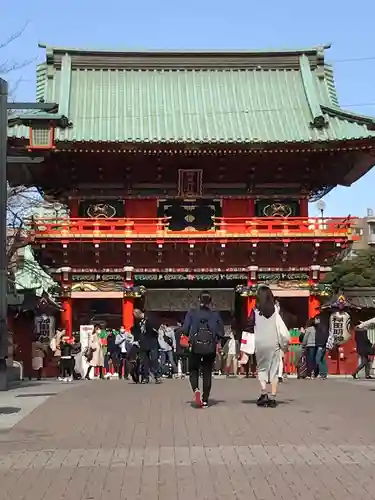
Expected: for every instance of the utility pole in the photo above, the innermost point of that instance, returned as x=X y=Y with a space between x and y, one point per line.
x=3 y=234
x=4 y=106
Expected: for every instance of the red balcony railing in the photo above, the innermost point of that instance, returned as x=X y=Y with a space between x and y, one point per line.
x=223 y=228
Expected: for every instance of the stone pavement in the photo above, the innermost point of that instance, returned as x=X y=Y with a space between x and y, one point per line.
x=23 y=398
x=114 y=440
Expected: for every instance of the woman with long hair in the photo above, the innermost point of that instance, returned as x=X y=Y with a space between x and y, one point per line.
x=270 y=339
x=96 y=353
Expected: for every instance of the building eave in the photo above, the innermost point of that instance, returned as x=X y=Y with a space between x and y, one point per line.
x=344 y=114
x=181 y=52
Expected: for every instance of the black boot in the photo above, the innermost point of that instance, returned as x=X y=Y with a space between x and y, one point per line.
x=263 y=400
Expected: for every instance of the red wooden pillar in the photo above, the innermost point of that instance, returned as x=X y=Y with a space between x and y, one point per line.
x=67 y=312
x=73 y=208
x=314 y=302
x=251 y=212
x=127 y=312
x=67 y=316
x=251 y=281
x=304 y=207
x=128 y=299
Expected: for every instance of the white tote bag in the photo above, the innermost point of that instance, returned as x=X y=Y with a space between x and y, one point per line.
x=247 y=343
x=283 y=334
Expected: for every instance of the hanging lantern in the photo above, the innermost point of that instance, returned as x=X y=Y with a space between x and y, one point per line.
x=42 y=136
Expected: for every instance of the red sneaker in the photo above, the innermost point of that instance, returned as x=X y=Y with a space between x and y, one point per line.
x=197 y=398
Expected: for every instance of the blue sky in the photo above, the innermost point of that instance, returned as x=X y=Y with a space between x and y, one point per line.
x=241 y=24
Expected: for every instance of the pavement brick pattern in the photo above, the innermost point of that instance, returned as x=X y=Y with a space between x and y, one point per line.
x=114 y=440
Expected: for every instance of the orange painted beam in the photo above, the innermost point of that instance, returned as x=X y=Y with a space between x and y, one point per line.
x=241 y=228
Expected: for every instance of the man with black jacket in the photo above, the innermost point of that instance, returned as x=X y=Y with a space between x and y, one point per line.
x=205 y=330
x=364 y=351
x=145 y=332
x=321 y=324
x=182 y=352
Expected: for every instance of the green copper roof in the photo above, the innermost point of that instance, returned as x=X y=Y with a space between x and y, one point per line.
x=31 y=276
x=195 y=97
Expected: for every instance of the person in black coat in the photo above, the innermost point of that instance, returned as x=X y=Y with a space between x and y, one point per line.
x=113 y=353
x=182 y=353
x=364 y=350
x=146 y=332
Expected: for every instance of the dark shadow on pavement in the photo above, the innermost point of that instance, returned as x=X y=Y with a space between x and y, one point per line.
x=211 y=402
x=9 y=410
x=36 y=394
x=16 y=384
x=279 y=401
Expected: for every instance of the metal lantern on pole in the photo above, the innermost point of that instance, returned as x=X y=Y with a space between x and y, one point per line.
x=321 y=205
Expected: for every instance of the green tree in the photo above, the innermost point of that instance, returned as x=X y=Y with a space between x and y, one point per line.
x=356 y=272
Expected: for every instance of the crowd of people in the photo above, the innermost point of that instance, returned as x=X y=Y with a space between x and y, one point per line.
x=199 y=347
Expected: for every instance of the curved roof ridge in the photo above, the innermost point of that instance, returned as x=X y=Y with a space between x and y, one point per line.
x=270 y=51
x=349 y=115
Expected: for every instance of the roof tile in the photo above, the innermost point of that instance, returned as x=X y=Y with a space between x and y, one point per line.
x=252 y=105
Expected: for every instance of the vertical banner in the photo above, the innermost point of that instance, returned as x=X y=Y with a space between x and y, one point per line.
x=85 y=332
x=339 y=326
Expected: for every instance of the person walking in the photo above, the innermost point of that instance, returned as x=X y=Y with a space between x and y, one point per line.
x=182 y=350
x=111 y=358
x=205 y=329
x=123 y=343
x=271 y=337
x=231 y=352
x=309 y=346
x=167 y=347
x=364 y=351
x=55 y=348
x=322 y=334
x=95 y=353
x=77 y=357
x=38 y=353
x=67 y=362
x=145 y=332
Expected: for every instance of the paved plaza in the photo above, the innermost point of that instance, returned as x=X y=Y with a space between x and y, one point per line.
x=114 y=440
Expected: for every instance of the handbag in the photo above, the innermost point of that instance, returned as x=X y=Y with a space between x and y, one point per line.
x=53 y=344
x=88 y=353
x=248 y=343
x=283 y=335
x=184 y=341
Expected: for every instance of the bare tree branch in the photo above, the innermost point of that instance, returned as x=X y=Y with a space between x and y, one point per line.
x=11 y=65
x=23 y=203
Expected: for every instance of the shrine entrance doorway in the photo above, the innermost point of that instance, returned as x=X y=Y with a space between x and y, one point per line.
x=106 y=312
x=171 y=304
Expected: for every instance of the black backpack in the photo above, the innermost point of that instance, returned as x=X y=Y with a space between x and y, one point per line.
x=203 y=342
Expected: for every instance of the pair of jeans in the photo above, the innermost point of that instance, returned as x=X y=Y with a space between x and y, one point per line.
x=321 y=363
x=168 y=357
x=314 y=358
x=123 y=365
x=149 y=362
x=203 y=364
x=310 y=360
